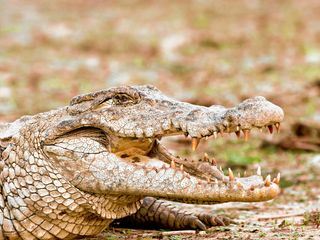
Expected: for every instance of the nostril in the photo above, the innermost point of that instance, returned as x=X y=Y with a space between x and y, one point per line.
x=230 y=119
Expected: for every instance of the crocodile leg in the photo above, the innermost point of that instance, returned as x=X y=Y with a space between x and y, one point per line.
x=156 y=213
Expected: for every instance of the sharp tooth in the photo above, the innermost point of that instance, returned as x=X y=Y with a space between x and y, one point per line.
x=215 y=134
x=231 y=176
x=181 y=167
x=267 y=182
x=195 y=143
x=206 y=157
x=238 y=128
x=239 y=175
x=261 y=129
x=207 y=138
x=186 y=134
x=246 y=133
x=259 y=171
x=245 y=173
x=277 y=125
x=173 y=164
x=220 y=168
x=270 y=127
x=238 y=133
x=277 y=179
x=214 y=161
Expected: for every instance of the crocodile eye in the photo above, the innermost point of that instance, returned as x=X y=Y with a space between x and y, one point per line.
x=123 y=99
x=120 y=99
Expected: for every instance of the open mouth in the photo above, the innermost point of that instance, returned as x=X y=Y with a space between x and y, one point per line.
x=152 y=155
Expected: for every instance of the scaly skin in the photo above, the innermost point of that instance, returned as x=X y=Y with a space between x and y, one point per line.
x=70 y=172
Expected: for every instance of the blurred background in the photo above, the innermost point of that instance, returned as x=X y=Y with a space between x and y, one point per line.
x=201 y=51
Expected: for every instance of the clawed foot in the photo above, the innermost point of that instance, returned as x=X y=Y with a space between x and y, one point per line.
x=205 y=221
x=164 y=214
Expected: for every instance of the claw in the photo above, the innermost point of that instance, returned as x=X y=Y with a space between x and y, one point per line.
x=219 y=222
x=197 y=224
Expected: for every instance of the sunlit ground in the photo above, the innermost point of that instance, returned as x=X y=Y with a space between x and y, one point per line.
x=204 y=52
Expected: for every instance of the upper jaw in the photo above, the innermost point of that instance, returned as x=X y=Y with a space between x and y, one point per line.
x=198 y=121
x=255 y=112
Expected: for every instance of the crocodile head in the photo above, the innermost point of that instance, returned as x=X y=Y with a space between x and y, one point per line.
x=110 y=142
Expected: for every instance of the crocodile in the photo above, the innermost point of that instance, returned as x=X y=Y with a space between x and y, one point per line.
x=71 y=172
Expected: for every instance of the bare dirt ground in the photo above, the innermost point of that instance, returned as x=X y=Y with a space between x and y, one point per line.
x=205 y=52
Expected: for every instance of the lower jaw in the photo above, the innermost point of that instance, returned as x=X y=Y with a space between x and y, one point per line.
x=204 y=170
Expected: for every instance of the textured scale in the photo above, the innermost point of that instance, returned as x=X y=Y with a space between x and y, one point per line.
x=37 y=202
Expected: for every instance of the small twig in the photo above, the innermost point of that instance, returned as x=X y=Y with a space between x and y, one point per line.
x=280 y=216
x=169 y=233
x=181 y=232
